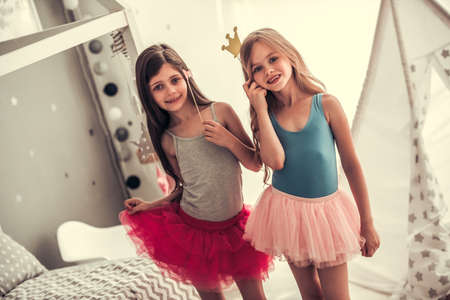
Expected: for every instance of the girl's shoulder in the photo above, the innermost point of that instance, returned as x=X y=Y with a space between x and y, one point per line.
x=330 y=105
x=222 y=106
x=223 y=111
x=329 y=99
x=329 y=102
x=167 y=143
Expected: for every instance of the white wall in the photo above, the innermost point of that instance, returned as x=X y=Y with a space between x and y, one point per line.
x=54 y=161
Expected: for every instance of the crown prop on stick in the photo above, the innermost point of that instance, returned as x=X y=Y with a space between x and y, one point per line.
x=234 y=44
x=193 y=97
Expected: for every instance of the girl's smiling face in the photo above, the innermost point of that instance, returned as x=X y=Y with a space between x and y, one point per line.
x=168 y=88
x=269 y=68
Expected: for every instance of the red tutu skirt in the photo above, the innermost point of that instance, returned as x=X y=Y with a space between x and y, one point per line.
x=209 y=255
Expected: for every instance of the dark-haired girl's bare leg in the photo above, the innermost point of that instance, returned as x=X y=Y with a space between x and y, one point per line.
x=251 y=289
x=210 y=295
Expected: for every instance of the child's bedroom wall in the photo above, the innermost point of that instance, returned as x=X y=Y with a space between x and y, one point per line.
x=54 y=164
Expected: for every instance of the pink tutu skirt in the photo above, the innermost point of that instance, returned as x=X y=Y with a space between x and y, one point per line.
x=321 y=231
x=209 y=255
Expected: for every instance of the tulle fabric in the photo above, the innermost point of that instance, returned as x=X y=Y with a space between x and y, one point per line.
x=209 y=255
x=321 y=231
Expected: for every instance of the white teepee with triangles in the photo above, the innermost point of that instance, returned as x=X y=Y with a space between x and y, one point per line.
x=401 y=131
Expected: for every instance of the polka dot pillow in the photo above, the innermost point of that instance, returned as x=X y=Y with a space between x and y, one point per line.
x=16 y=264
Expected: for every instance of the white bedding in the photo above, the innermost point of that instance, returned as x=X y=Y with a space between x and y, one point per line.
x=131 y=278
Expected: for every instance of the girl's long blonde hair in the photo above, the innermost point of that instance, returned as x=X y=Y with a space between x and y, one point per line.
x=302 y=76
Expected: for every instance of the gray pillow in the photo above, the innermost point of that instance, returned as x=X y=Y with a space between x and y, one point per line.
x=16 y=264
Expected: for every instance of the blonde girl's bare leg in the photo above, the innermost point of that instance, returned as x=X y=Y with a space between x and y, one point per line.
x=308 y=282
x=334 y=282
x=251 y=289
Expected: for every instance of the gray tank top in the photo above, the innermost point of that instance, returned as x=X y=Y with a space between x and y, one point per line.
x=212 y=187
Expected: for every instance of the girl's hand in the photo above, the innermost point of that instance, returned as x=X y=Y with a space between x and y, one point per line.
x=372 y=240
x=256 y=95
x=216 y=133
x=134 y=205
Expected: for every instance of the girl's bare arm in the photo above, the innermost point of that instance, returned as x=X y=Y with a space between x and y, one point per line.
x=335 y=116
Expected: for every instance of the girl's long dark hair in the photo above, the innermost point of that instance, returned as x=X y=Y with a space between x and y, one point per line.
x=148 y=64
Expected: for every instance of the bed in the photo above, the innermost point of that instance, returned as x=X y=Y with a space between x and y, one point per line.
x=23 y=277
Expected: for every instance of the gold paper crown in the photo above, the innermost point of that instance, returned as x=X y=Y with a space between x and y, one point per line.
x=234 y=44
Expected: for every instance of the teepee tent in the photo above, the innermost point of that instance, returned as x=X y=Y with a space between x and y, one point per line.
x=402 y=134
